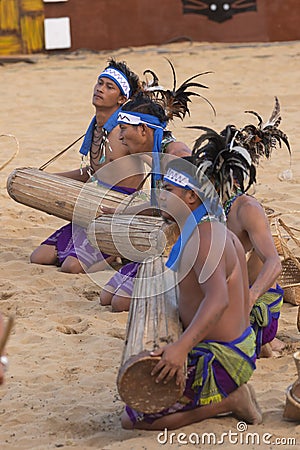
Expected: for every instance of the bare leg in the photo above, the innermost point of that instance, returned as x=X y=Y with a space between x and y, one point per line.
x=273 y=348
x=101 y=265
x=106 y=295
x=266 y=351
x=44 y=254
x=242 y=403
x=120 y=301
x=277 y=345
x=72 y=265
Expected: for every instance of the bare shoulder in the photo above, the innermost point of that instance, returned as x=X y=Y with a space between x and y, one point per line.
x=212 y=236
x=179 y=149
x=249 y=207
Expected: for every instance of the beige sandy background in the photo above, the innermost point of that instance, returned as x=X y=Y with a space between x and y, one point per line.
x=65 y=349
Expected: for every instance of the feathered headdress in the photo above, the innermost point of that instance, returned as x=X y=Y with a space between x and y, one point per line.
x=260 y=140
x=150 y=85
x=222 y=162
x=175 y=101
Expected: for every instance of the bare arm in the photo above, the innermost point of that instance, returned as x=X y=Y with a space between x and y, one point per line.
x=215 y=301
x=144 y=209
x=76 y=174
x=254 y=221
x=179 y=149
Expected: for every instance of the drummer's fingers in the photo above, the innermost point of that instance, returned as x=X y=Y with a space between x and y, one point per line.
x=171 y=374
x=107 y=209
x=157 y=352
x=180 y=378
x=162 y=374
x=157 y=367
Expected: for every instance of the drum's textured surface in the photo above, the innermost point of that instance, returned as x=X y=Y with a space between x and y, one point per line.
x=153 y=322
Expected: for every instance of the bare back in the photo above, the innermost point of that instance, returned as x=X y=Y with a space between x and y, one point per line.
x=248 y=221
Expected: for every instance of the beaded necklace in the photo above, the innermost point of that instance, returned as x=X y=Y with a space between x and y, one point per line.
x=228 y=204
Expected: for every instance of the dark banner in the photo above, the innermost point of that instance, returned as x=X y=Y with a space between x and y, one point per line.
x=218 y=10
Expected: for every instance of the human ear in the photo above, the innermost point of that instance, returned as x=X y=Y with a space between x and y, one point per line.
x=122 y=100
x=192 y=197
x=143 y=128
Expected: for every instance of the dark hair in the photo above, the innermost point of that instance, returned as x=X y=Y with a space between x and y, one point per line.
x=184 y=164
x=142 y=103
x=133 y=78
x=206 y=191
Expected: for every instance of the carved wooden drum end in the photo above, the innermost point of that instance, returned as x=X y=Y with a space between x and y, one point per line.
x=138 y=389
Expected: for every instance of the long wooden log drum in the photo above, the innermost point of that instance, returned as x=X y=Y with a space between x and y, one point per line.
x=153 y=321
x=60 y=196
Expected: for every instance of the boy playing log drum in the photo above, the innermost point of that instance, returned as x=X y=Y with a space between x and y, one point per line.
x=141 y=132
x=69 y=247
x=214 y=309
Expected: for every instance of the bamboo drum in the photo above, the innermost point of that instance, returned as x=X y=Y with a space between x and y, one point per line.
x=292 y=405
x=59 y=196
x=153 y=321
x=132 y=237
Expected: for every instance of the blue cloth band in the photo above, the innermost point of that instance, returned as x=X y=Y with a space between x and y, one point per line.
x=190 y=225
x=137 y=118
x=109 y=125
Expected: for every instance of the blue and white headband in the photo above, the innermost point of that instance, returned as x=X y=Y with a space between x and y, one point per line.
x=137 y=118
x=119 y=78
x=181 y=179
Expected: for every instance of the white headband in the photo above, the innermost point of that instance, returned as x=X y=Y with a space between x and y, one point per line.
x=180 y=179
x=137 y=118
x=129 y=118
x=119 y=78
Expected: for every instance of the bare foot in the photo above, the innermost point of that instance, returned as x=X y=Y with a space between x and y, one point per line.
x=266 y=351
x=244 y=404
x=273 y=348
x=277 y=345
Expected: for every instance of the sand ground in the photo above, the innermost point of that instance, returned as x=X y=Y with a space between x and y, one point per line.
x=65 y=348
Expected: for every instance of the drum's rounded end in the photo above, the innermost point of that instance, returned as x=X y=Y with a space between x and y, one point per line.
x=9 y=182
x=138 y=388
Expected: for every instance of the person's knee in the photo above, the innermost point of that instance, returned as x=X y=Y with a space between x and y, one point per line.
x=43 y=255
x=120 y=303
x=72 y=265
x=105 y=297
x=34 y=257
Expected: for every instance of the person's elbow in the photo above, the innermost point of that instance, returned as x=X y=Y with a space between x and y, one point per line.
x=277 y=266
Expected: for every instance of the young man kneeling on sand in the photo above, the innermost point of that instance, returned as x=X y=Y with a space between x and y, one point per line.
x=217 y=340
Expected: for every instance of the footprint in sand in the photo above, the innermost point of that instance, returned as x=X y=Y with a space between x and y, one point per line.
x=6 y=295
x=91 y=295
x=118 y=333
x=73 y=325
